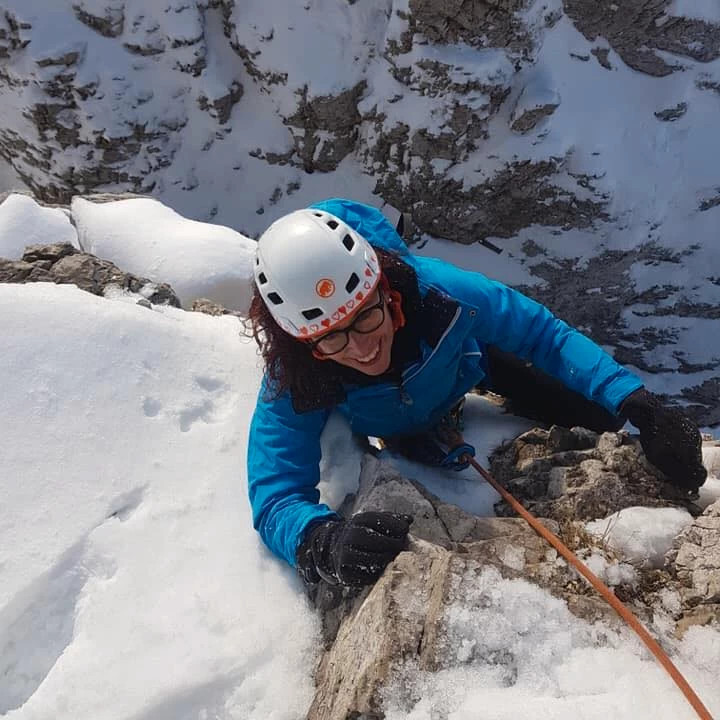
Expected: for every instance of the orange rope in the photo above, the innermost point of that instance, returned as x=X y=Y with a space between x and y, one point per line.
x=603 y=589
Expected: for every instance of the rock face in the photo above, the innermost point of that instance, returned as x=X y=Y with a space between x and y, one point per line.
x=62 y=263
x=579 y=475
x=82 y=129
x=414 y=101
x=455 y=559
x=638 y=29
x=695 y=562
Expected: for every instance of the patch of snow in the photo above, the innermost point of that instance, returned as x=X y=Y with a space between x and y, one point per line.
x=710 y=491
x=519 y=652
x=147 y=238
x=641 y=534
x=611 y=572
x=707 y=10
x=340 y=462
x=486 y=427
x=24 y=222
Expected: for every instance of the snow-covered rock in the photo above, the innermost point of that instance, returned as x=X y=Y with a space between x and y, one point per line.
x=199 y=260
x=61 y=263
x=24 y=222
x=464 y=602
x=642 y=535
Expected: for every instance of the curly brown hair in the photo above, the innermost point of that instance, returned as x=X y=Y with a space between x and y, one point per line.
x=289 y=363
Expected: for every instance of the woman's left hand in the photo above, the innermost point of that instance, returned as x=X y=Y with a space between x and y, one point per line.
x=670 y=439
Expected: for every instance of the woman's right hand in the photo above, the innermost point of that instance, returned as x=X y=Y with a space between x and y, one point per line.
x=352 y=552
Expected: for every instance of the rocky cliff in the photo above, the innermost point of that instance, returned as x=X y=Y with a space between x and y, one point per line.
x=578 y=136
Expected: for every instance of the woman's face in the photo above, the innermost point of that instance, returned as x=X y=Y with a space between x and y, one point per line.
x=368 y=353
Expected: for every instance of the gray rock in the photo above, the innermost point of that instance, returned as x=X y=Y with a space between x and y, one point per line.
x=337 y=115
x=110 y=24
x=533 y=104
x=638 y=29
x=672 y=114
x=559 y=474
x=403 y=617
x=63 y=264
x=696 y=560
x=491 y=22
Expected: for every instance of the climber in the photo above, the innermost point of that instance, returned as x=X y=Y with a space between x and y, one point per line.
x=347 y=318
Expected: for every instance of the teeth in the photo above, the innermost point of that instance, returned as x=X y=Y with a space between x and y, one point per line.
x=370 y=357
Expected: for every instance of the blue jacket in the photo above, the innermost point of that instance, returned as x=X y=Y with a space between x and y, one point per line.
x=284 y=446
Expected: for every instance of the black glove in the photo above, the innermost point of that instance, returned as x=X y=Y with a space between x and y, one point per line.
x=670 y=439
x=352 y=552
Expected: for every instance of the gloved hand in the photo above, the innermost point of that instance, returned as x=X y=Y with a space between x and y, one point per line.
x=352 y=552
x=670 y=439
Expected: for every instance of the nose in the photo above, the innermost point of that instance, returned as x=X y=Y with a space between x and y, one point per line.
x=360 y=345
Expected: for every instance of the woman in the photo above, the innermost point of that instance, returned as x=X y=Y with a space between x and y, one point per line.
x=348 y=319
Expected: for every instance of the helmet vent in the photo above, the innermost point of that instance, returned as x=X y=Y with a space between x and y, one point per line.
x=274 y=298
x=317 y=214
x=352 y=283
x=332 y=224
x=261 y=278
x=348 y=242
x=312 y=313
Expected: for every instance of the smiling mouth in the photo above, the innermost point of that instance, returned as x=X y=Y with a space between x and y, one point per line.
x=370 y=357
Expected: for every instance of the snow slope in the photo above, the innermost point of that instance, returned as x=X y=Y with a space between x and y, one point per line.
x=133 y=583
x=134 y=587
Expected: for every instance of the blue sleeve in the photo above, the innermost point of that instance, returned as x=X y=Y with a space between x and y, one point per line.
x=524 y=327
x=283 y=471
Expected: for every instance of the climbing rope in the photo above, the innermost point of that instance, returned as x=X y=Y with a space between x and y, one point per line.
x=603 y=589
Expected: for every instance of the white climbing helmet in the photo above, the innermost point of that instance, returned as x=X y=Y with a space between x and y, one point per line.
x=312 y=269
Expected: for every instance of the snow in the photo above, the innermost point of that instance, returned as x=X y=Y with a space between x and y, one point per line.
x=610 y=572
x=147 y=238
x=24 y=222
x=523 y=654
x=707 y=10
x=133 y=583
x=643 y=535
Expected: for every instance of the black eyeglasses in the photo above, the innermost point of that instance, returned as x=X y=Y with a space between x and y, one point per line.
x=364 y=323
